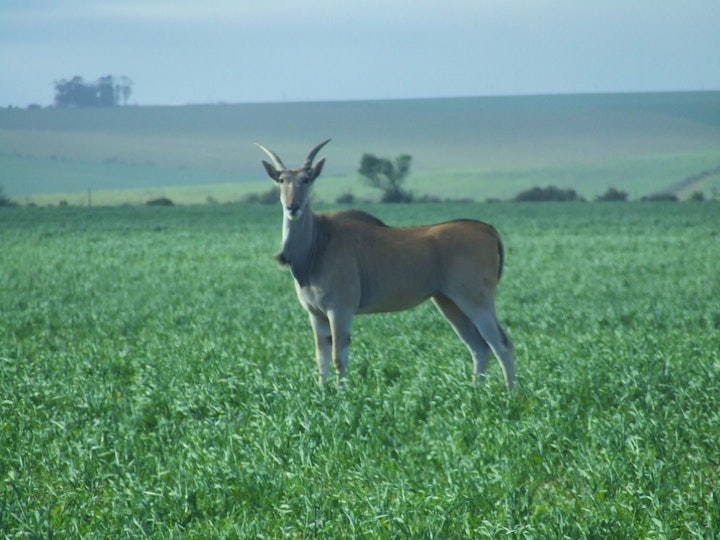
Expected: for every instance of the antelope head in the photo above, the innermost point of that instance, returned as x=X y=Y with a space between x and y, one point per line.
x=294 y=183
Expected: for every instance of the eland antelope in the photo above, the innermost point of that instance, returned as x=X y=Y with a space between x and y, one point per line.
x=349 y=262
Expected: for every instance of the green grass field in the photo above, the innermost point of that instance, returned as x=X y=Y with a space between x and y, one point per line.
x=158 y=381
x=479 y=148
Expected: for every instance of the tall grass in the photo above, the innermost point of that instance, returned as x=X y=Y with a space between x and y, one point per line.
x=157 y=381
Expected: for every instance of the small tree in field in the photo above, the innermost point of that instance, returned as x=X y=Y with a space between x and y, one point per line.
x=388 y=176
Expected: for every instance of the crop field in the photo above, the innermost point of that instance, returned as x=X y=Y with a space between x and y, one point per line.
x=157 y=380
x=477 y=148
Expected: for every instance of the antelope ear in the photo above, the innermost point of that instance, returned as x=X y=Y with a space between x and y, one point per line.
x=317 y=169
x=272 y=171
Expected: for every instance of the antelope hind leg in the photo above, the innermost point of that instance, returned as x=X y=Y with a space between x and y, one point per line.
x=468 y=332
x=486 y=322
x=499 y=342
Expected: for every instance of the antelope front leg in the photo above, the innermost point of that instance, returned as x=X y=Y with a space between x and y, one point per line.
x=340 y=324
x=323 y=346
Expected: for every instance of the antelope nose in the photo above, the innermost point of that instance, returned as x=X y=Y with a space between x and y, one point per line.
x=293 y=210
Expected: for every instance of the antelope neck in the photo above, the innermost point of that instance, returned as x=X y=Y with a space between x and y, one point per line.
x=298 y=244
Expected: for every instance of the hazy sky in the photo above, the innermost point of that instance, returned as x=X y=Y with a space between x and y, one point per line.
x=200 y=51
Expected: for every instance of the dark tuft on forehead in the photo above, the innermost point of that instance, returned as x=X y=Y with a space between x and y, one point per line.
x=295 y=174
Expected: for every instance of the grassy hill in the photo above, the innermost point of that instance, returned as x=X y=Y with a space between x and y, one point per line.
x=465 y=147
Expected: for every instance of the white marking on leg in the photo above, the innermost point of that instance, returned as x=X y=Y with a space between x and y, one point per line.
x=481 y=355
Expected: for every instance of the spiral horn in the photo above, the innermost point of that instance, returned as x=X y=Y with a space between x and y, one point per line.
x=311 y=156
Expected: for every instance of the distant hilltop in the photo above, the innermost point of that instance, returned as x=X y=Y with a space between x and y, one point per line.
x=474 y=147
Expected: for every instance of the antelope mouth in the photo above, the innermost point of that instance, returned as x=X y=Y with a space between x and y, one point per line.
x=293 y=213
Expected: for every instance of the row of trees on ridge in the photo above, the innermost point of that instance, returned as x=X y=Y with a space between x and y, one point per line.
x=107 y=91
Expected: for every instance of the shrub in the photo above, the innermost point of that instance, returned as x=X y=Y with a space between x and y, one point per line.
x=613 y=195
x=549 y=193
x=434 y=199
x=5 y=200
x=271 y=196
x=345 y=198
x=160 y=201
x=398 y=195
x=660 y=197
x=697 y=196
